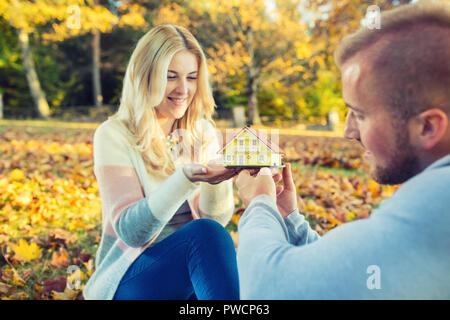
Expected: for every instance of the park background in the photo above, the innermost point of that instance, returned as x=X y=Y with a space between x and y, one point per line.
x=62 y=64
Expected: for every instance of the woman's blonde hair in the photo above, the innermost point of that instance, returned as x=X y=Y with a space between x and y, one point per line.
x=143 y=90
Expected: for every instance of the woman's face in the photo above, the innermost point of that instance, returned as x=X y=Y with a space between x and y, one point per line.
x=181 y=86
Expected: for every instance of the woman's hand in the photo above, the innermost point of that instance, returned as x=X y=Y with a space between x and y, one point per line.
x=213 y=173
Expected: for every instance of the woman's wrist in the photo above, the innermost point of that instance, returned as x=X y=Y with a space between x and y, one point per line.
x=170 y=194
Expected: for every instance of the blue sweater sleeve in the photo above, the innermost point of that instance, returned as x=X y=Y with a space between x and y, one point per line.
x=300 y=232
x=137 y=225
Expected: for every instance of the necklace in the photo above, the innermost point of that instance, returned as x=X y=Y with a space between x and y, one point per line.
x=171 y=141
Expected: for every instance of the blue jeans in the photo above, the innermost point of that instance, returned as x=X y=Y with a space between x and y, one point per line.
x=198 y=261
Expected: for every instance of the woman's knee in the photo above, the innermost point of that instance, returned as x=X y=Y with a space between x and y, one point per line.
x=207 y=229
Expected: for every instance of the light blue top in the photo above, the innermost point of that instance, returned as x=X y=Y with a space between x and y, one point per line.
x=402 y=251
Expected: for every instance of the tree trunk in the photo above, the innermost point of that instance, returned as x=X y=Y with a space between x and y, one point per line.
x=96 y=82
x=252 y=92
x=38 y=95
x=252 y=86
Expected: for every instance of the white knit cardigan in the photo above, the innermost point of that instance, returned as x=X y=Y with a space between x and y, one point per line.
x=136 y=206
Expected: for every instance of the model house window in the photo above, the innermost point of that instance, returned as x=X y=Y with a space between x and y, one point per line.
x=254 y=145
x=241 y=159
x=229 y=158
x=262 y=158
x=241 y=145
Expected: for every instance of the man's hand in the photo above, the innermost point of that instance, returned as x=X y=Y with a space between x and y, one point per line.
x=287 y=194
x=250 y=187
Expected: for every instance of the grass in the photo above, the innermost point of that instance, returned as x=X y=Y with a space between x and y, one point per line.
x=48 y=124
x=335 y=171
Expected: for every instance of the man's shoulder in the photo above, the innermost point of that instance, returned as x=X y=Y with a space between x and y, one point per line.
x=435 y=176
x=427 y=192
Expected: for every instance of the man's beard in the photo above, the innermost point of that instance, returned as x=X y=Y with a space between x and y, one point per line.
x=404 y=165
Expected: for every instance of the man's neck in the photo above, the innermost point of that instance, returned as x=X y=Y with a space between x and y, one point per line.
x=428 y=161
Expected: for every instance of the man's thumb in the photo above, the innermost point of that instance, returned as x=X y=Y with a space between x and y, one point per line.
x=265 y=172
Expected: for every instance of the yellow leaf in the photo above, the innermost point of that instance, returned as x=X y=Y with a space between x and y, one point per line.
x=76 y=276
x=374 y=188
x=17 y=175
x=24 y=199
x=68 y=294
x=17 y=296
x=350 y=216
x=76 y=225
x=235 y=218
x=17 y=279
x=26 y=252
x=71 y=293
x=90 y=266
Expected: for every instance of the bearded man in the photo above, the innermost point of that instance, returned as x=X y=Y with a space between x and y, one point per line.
x=396 y=84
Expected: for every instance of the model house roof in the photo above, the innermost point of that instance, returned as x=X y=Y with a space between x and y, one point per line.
x=261 y=137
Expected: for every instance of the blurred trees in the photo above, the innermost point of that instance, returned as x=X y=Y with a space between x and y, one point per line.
x=336 y=18
x=274 y=56
x=96 y=17
x=251 y=48
x=25 y=16
x=255 y=47
x=57 y=20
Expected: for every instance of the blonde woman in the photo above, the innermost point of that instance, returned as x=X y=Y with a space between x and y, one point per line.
x=164 y=203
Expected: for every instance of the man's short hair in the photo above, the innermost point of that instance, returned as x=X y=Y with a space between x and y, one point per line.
x=409 y=57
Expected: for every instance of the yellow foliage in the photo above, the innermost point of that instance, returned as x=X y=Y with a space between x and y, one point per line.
x=68 y=294
x=66 y=22
x=24 y=199
x=17 y=175
x=374 y=188
x=172 y=13
x=17 y=279
x=90 y=267
x=250 y=38
x=350 y=216
x=73 y=286
x=26 y=252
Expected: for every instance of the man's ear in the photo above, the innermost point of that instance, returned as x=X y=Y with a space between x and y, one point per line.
x=429 y=128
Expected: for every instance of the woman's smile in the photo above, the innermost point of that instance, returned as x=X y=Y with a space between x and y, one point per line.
x=179 y=102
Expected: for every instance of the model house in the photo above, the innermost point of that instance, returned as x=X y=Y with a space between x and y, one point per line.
x=251 y=148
